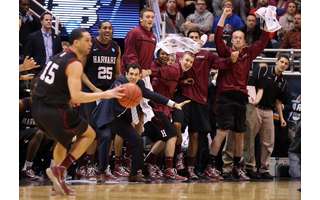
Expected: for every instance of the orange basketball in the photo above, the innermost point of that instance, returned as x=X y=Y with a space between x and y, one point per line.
x=133 y=95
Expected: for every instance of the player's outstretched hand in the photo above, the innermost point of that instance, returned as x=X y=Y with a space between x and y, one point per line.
x=180 y=105
x=117 y=92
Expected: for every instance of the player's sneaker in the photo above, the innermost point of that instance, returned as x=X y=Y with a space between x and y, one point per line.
x=191 y=174
x=30 y=174
x=158 y=170
x=213 y=173
x=119 y=171
x=171 y=173
x=92 y=173
x=81 y=172
x=108 y=177
x=179 y=162
x=152 y=171
x=239 y=174
x=56 y=174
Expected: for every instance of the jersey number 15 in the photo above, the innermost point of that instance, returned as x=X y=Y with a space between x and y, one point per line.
x=48 y=73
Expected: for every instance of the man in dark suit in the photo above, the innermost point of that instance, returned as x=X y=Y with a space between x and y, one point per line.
x=43 y=44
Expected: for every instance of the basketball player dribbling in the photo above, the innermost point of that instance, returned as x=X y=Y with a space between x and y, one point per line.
x=56 y=91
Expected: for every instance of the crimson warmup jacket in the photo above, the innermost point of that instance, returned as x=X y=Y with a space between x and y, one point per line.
x=236 y=77
x=203 y=62
x=165 y=81
x=139 y=47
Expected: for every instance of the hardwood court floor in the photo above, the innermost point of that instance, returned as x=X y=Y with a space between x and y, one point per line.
x=272 y=190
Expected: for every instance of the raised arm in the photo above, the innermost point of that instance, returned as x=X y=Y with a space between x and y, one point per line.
x=222 y=48
x=257 y=47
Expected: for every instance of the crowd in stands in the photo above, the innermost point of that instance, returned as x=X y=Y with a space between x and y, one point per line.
x=181 y=16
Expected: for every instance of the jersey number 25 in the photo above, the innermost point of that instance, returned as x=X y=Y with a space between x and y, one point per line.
x=105 y=72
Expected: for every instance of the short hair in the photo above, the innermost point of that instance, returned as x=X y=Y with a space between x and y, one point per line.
x=197 y=30
x=293 y=3
x=283 y=56
x=158 y=52
x=133 y=66
x=189 y=53
x=241 y=30
x=65 y=43
x=297 y=13
x=102 y=22
x=76 y=34
x=145 y=10
x=251 y=14
x=43 y=14
x=201 y=0
x=225 y=1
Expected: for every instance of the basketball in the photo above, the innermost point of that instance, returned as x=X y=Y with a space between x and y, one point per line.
x=133 y=95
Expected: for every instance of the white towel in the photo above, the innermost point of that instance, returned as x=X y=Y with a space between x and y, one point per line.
x=269 y=16
x=146 y=108
x=175 y=43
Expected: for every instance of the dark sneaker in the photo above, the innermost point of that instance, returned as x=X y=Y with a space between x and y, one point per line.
x=239 y=174
x=227 y=176
x=266 y=175
x=179 y=162
x=56 y=174
x=152 y=170
x=30 y=174
x=191 y=174
x=81 y=172
x=252 y=174
x=119 y=171
x=171 y=173
x=213 y=173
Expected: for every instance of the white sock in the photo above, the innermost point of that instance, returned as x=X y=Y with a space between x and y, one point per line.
x=52 y=163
